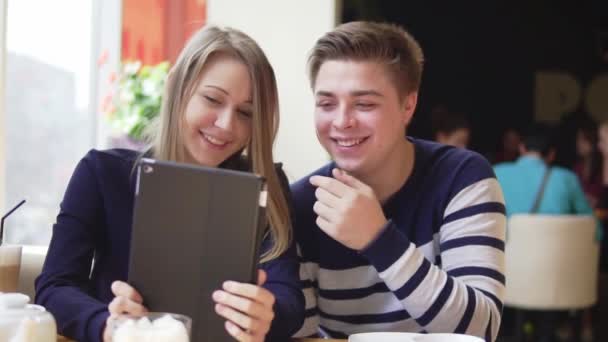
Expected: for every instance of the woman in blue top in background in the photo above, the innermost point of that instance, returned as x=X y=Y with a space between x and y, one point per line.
x=220 y=109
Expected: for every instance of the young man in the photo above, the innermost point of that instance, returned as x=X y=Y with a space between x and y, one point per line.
x=396 y=234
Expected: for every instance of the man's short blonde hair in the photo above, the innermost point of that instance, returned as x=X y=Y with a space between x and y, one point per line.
x=361 y=41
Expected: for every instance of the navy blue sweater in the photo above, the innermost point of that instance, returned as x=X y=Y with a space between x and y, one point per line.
x=90 y=249
x=438 y=266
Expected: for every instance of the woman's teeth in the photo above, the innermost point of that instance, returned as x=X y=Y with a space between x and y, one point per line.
x=215 y=141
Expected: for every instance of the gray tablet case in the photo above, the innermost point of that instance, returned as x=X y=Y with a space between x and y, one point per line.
x=194 y=228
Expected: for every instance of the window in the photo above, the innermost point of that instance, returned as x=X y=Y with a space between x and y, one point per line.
x=50 y=108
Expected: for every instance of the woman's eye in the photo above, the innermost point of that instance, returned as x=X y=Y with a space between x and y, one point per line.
x=245 y=113
x=212 y=99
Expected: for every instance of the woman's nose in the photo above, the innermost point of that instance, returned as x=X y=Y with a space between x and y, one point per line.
x=225 y=119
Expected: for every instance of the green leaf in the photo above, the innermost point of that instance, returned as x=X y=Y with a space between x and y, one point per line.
x=138 y=97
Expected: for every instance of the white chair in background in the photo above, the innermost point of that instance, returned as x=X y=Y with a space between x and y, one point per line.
x=551 y=262
x=32 y=259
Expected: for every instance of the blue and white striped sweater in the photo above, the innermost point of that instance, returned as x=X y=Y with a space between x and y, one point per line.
x=437 y=267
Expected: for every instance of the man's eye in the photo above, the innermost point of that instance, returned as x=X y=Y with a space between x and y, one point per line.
x=365 y=106
x=324 y=105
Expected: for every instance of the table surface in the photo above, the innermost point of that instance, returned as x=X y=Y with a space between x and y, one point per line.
x=63 y=339
x=316 y=340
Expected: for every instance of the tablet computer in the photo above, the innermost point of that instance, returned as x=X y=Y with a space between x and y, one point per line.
x=194 y=228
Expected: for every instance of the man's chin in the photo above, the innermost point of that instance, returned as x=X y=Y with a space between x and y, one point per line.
x=350 y=166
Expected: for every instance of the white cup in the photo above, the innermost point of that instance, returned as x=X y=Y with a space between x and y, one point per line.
x=10 y=263
x=411 y=337
x=447 y=338
x=383 y=337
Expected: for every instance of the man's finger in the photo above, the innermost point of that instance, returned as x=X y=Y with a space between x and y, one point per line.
x=332 y=185
x=324 y=225
x=349 y=180
x=322 y=210
x=328 y=198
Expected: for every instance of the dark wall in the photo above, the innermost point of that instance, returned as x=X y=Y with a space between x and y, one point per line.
x=482 y=56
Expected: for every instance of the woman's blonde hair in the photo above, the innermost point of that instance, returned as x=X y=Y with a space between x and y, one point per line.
x=165 y=135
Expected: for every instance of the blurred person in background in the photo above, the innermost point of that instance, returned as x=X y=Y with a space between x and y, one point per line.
x=450 y=128
x=522 y=179
x=602 y=205
x=588 y=166
x=508 y=149
x=601 y=210
x=532 y=186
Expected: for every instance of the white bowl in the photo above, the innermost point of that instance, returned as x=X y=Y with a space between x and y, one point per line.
x=447 y=338
x=411 y=337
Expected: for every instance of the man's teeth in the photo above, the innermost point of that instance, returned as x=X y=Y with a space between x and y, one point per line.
x=349 y=142
x=214 y=141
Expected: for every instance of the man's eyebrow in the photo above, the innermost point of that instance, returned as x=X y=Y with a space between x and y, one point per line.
x=366 y=93
x=355 y=93
x=324 y=93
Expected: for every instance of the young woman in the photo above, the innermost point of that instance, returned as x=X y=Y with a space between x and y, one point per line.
x=220 y=109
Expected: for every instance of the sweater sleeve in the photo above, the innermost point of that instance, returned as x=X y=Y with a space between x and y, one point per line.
x=284 y=283
x=311 y=325
x=463 y=292
x=63 y=287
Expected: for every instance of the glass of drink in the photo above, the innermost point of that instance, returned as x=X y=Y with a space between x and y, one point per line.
x=10 y=263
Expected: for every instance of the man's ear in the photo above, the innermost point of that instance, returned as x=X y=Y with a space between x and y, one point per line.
x=409 y=106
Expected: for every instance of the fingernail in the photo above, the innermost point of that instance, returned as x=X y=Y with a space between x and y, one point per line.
x=217 y=295
x=232 y=329
x=228 y=285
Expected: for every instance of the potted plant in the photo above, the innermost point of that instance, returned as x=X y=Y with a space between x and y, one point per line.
x=136 y=102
